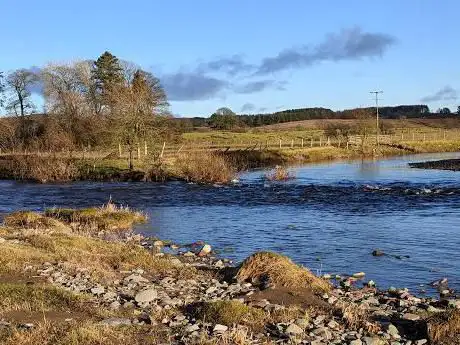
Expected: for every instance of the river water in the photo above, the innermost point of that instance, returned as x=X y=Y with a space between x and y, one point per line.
x=330 y=218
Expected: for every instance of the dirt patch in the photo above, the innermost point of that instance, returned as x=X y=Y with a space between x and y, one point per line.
x=304 y=298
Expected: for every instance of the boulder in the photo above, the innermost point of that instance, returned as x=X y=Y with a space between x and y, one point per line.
x=204 y=250
x=293 y=329
x=378 y=252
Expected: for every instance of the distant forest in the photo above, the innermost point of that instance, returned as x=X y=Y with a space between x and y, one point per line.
x=225 y=118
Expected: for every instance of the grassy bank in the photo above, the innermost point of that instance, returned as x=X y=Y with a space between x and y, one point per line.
x=61 y=282
x=199 y=167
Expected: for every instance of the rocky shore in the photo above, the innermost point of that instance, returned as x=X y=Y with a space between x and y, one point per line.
x=186 y=295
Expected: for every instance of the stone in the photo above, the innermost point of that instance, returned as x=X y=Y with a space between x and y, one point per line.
x=293 y=329
x=454 y=303
x=323 y=332
x=421 y=342
x=204 y=250
x=116 y=321
x=370 y=283
x=176 y=262
x=373 y=341
x=219 y=328
x=378 y=252
x=114 y=305
x=136 y=278
x=373 y=301
x=302 y=323
x=189 y=254
x=332 y=300
x=158 y=243
x=359 y=275
x=411 y=317
x=393 y=331
x=98 y=290
x=332 y=324
x=192 y=328
x=356 y=342
x=146 y=296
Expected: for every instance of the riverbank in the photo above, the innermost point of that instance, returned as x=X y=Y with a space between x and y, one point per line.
x=83 y=277
x=445 y=164
x=199 y=167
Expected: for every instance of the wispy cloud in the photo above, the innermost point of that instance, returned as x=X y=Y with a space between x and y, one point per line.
x=231 y=65
x=447 y=93
x=248 y=107
x=188 y=86
x=259 y=85
x=349 y=44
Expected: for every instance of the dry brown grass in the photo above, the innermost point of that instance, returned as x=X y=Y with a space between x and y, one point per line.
x=204 y=167
x=444 y=328
x=356 y=316
x=234 y=312
x=279 y=174
x=30 y=220
x=24 y=297
x=279 y=270
x=108 y=217
x=86 y=333
x=41 y=169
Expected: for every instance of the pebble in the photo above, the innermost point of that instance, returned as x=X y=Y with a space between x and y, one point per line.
x=293 y=329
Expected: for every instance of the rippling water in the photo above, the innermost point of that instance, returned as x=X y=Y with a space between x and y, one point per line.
x=329 y=218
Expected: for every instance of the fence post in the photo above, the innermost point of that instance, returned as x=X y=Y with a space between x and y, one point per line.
x=302 y=143
x=413 y=136
x=444 y=135
x=292 y=143
x=119 y=150
x=145 y=148
x=328 y=141
x=280 y=143
x=424 y=136
x=320 y=141
x=311 y=142
x=138 y=151
x=347 y=144
x=163 y=150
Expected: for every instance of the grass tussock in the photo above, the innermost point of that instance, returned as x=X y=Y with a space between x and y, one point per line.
x=24 y=297
x=30 y=220
x=234 y=312
x=109 y=217
x=279 y=270
x=444 y=328
x=356 y=316
x=279 y=174
x=205 y=167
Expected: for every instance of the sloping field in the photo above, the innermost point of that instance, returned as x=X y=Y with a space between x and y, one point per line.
x=406 y=123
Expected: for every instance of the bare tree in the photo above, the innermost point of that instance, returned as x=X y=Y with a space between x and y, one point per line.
x=136 y=106
x=19 y=83
x=2 y=89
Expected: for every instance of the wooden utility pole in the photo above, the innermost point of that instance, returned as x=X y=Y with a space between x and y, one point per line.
x=376 y=93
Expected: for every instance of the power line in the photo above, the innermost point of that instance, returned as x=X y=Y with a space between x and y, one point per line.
x=376 y=93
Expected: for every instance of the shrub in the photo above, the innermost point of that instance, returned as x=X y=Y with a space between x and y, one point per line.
x=29 y=220
x=444 y=328
x=279 y=174
x=204 y=168
x=42 y=169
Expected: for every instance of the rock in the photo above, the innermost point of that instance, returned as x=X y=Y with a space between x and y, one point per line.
x=393 y=331
x=411 y=317
x=176 y=262
x=370 y=283
x=373 y=341
x=204 y=250
x=421 y=342
x=98 y=290
x=219 y=328
x=356 y=342
x=293 y=329
x=189 y=254
x=432 y=309
x=373 y=301
x=158 y=243
x=115 y=321
x=332 y=300
x=192 y=328
x=302 y=323
x=454 y=303
x=146 y=296
x=327 y=276
x=135 y=278
x=359 y=275
x=378 y=252
x=323 y=332
x=332 y=324
x=114 y=305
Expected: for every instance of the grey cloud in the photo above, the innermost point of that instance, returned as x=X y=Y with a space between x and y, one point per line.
x=260 y=85
x=188 y=86
x=262 y=109
x=349 y=44
x=247 y=107
x=447 y=93
x=232 y=65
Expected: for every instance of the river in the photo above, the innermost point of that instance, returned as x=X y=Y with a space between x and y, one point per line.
x=330 y=218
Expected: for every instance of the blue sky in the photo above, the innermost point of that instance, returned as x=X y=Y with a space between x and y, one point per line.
x=253 y=56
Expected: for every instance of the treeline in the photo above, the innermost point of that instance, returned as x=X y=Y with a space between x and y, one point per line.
x=224 y=118
x=87 y=103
